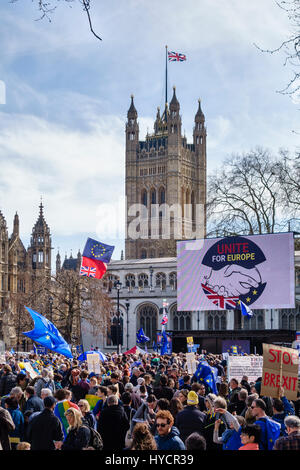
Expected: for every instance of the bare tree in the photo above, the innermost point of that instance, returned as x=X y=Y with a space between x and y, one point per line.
x=48 y=7
x=291 y=46
x=245 y=196
x=75 y=299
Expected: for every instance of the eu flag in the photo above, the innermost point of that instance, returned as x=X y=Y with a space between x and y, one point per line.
x=141 y=337
x=95 y=257
x=206 y=374
x=46 y=334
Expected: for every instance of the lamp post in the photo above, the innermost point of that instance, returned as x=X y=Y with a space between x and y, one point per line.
x=118 y=286
x=127 y=323
x=151 y=277
x=50 y=307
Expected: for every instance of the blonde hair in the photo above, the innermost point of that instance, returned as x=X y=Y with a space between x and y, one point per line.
x=23 y=446
x=85 y=403
x=77 y=418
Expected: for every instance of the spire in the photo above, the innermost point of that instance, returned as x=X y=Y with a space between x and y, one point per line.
x=199 y=115
x=16 y=225
x=132 y=112
x=174 y=104
x=122 y=255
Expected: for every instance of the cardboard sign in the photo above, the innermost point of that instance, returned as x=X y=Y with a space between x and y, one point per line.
x=238 y=366
x=191 y=363
x=280 y=368
x=28 y=367
x=93 y=361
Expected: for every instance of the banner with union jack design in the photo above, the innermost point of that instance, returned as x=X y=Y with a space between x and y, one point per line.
x=96 y=256
x=176 y=57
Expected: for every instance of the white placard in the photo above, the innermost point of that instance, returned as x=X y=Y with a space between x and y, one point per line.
x=251 y=366
x=93 y=361
x=191 y=363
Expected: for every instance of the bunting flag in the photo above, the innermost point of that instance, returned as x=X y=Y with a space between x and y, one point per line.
x=46 y=334
x=95 y=257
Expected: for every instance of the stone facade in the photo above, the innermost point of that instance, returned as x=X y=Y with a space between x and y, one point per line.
x=164 y=170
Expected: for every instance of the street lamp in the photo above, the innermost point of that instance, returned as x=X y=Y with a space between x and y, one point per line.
x=151 y=276
x=127 y=322
x=118 y=286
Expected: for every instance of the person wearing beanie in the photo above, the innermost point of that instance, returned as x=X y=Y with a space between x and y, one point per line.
x=45 y=430
x=190 y=419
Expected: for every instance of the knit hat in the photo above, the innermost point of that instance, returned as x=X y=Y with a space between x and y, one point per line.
x=192 y=398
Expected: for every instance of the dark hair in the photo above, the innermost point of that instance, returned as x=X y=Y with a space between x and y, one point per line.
x=252 y=430
x=163 y=404
x=151 y=398
x=84 y=374
x=163 y=380
x=278 y=405
x=114 y=375
x=195 y=442
x=11 y=403
x=113 y=388
x=186 y=378
x=126 y=398
x=175 y=406
x=103 y=389
x=260 y=404
x=29 y=390
x=60 y=394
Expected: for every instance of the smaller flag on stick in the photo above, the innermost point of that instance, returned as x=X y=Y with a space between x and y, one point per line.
x=246 y=311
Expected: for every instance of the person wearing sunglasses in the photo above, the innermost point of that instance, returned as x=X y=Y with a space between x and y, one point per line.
x=167 y=436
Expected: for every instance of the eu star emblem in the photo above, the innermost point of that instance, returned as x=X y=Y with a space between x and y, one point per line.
x=97 y=250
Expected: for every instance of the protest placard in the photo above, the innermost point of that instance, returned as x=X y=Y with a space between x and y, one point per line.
x=28 y=367
x=250 y=366
x=191 y=363
x=280 y=368
x=93 y=361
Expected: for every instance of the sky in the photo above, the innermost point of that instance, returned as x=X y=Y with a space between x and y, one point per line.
x=64 y=97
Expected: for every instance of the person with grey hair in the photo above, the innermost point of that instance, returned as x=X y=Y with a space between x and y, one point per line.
x=292 y=440
x=113 y=425
x=136 y=400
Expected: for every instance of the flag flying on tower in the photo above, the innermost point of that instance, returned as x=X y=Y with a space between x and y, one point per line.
x=46 y=334
x=176 y=57
x=95 y=257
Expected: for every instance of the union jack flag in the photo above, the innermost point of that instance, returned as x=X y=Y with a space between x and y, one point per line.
x=164 y=320
x=176 y=57
x=88 y=271
x=219 y=300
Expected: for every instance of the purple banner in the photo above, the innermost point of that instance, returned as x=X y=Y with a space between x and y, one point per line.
x=218 y=273
x=240 y=346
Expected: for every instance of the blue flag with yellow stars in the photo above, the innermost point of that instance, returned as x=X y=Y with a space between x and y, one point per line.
x=206 y=374
x=95 y=257
x=46 y=334
x=141 y=337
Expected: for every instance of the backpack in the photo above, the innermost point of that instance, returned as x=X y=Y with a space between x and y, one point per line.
x=95 y=439
x=272 y=432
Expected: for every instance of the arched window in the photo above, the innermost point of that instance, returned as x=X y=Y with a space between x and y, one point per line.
x=216 y=320
x=143 y=253
x=152 y=254
x=160 y=280
x=143 y=281
x=147 y=318
x=289 y=318
x=173 y=281
x=153 y=196
x=162 y=196
x=114 y=322
x=256 y=322
x=144 y=199
x=130 y=281
x=182 y=321
x=111 y=279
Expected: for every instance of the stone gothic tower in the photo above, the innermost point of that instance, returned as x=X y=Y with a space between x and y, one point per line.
x=167 y=171
x=39 y=252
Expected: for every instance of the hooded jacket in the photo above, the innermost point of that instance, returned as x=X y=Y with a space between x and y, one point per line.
x=171 y=441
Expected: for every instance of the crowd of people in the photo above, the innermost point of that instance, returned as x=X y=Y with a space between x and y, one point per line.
x=138 y=402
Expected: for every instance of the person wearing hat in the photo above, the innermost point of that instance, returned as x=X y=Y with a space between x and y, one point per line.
x=45 y=430
x=190 y=419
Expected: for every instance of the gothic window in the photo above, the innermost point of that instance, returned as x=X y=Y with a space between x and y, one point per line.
x=162 y=196
x=143 y=254
x=182 y=321
x=130 y=281
x=290 y=318
x=153 y=196
x=144 y=197
x=160 y=280
x=131 y=136
x=110 y=281
x=216 y=320
x=257 y=322
x=114 y=322
x=41 y=256
x=3 y=251
x=143 y=280
x=34 y=258
x=173 y=281
x=148 y=321
x=152 y=254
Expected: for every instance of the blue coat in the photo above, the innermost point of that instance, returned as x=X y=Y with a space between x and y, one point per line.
x=170 y=442
x=18 y=419
x=34 y=403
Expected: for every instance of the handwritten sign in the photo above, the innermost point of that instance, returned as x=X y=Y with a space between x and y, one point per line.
x=93 y=362
x=191 y=363
x=238 y=366
x=280 y=368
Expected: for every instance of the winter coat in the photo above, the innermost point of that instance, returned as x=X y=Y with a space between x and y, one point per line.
x=6 y=426
x=77 y=438
x=34 y=403
x=190 y=420
x=18 y=419
x=112 y=425
x=7 y=382
x=43 y=429
x=44 y=383
x=171 y=441
x=90 y=420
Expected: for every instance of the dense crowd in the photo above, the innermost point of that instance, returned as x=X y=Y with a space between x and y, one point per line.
x=138 y=402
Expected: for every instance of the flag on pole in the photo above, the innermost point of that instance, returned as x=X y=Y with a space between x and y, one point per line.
x=176 y=57
x=165 y=319
x=246 y=311
x=141 y=337
x=95 y=257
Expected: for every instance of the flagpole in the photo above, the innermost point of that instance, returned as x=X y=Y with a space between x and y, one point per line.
x=166 y=75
